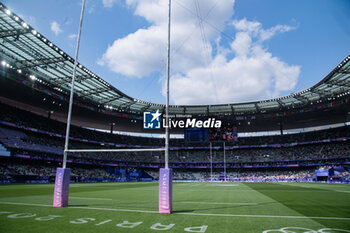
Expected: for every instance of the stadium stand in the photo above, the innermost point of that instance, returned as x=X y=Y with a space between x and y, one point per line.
x=34 y=93
x=291 y=157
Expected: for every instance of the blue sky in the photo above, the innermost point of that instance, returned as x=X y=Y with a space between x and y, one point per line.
x=223 y=51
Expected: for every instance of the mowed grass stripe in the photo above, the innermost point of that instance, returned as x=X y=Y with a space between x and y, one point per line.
x=130 y=197
x=325 y=203
x=138 y=199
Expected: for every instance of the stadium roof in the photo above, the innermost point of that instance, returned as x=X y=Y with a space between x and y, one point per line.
x=24 y=49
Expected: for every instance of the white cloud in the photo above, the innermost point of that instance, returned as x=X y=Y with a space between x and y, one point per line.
x=255 y=29
x=72 y=36
x=240 y=79
x=202 y=74
x=91 y=9
x=144 y=51
x=252 y=74
x=242 y=44
x=137 y=54
x=55 y=28
x=108 y=3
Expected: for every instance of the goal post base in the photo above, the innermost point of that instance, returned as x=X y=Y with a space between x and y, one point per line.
x=165 y=190
x=60 y=198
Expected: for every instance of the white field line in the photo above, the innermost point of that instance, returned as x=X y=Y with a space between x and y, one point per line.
x=92 y=198
x=264 y=216
x=215 y=203
x=186 y=202
x=28 y=204
x=182 y=213
x=342 y=191
x=118 y=210
x=80 y=207
x=249 y=190
x=237 y=190
x=75 y=185
x=223 y=185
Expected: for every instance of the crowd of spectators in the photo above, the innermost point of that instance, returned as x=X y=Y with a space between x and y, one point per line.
x=49 y=147
x=27 y=119
x=20 y=142
x=292 y=175
x=33 y=171
x=27 y=172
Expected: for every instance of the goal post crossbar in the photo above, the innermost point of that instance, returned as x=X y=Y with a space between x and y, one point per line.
x=115 y=150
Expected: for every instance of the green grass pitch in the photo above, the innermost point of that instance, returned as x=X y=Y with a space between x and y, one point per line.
x=198 y=207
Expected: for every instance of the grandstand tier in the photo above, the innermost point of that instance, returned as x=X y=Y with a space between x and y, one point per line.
x=34 y=146
x=289 y=157
x=34 y=91
x=39 y=81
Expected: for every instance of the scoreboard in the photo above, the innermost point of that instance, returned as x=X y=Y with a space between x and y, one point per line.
x=214 y=134
x=196 y=135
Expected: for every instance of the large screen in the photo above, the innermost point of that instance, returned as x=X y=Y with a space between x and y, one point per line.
x=196 y=135
x=223 y=134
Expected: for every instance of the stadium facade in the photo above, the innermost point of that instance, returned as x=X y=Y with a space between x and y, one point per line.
x=35 y=77
x=29 y=58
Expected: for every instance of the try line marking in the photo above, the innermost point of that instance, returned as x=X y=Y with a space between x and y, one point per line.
x=180 y=213
x=223 y=185
x=342 y=191
x=186 y=202
x=92 y=198
x=215 y=203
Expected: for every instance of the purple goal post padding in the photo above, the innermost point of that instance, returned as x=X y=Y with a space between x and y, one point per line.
x=60 y=197
x=165 y=190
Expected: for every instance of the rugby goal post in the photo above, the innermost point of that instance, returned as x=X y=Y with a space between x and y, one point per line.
x=61 y=192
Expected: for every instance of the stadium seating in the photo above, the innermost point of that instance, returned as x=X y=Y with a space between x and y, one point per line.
x=30 y=137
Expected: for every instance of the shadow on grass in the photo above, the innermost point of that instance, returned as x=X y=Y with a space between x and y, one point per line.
x=222 y=207
x=183 y=211
x=78 y=205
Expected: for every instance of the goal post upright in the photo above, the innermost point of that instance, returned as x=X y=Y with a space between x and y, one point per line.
x=167 y=136
x=224 y=162
x=62 y=179
x=72 y=89
x=166 y=173
x=211 y=162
